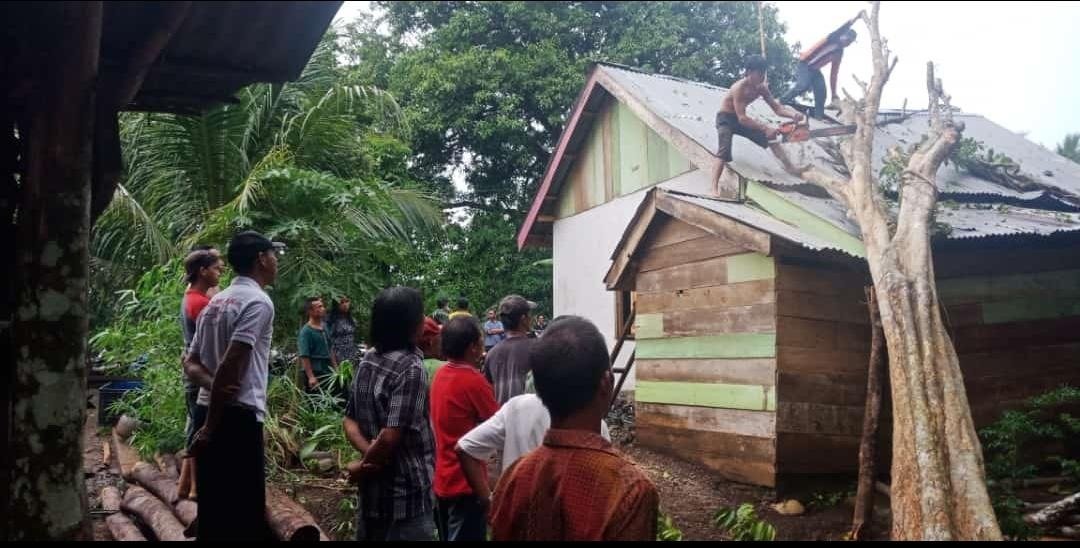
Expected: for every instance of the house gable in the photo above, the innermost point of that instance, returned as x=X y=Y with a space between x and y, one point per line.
x=620 y=155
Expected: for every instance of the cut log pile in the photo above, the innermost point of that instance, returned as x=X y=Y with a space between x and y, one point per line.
x=150 y=509
x=1057 y=518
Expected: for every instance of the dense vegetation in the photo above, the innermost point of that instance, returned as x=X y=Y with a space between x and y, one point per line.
x=401 y=156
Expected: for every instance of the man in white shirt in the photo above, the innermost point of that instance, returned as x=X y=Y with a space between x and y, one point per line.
x=516 y=428
x=230 y=353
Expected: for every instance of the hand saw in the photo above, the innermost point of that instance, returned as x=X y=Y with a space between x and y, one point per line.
x=796 y=132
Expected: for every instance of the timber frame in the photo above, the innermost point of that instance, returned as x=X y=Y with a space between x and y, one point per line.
x=69 y=68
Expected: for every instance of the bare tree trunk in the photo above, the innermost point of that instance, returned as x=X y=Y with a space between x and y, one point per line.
x=123 y=529
x=289 y=520
x=111 y=499
x=1056 y=512
x=49 y=389
x=169 y=465
x=157 y=515
x=938 y=482
x=155 y=481
x=186 y=511
x=864 y=497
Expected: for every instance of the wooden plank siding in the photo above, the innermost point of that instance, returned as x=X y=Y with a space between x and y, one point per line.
x=823 y=347
x=755 y=371
x=1016 y=332
x=620 y=155
x=1014 y=317
x=733 y=269
x=705 y=347
x=748 y=459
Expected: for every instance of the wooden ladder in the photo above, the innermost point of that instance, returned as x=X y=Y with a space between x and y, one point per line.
x=622 y=371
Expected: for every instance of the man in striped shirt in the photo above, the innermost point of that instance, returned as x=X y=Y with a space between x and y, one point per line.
x=829 y=51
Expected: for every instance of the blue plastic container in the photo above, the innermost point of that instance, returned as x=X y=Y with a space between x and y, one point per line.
x=107 y=394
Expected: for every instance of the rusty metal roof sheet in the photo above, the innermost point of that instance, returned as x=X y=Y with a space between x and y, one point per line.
x=1048 y=206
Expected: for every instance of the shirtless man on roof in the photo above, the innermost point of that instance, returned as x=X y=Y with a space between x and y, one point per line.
x=733 y=120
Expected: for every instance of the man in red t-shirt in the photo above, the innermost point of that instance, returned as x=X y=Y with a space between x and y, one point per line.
x=461 y=398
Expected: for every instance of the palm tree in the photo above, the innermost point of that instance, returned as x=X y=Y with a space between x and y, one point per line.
x=299 y=161
x=1070 y=147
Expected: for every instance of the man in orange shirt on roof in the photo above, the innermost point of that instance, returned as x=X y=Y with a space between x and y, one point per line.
x=829 y=50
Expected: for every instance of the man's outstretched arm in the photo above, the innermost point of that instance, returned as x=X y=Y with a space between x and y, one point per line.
x=779 y=109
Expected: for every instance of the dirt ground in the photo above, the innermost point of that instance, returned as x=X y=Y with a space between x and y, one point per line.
x=97 y=474
x=689 y=494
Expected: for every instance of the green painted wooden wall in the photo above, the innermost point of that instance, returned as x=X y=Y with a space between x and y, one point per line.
x=621 y=155
x=741 y=340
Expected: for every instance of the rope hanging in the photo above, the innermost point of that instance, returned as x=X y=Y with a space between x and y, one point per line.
x=761 y=26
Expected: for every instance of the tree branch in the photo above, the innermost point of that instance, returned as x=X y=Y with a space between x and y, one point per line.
x=482 y=206
x=918 y=187
x=835 y=186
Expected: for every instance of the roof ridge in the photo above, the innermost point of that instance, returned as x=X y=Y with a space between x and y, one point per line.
x=639 y=70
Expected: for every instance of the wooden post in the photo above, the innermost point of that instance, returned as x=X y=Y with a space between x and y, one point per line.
x=864 y=497
x=48 y=494
x=9 y=167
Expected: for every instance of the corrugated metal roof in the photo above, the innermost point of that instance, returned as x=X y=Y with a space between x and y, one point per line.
x=691 y=107
x=758 y=219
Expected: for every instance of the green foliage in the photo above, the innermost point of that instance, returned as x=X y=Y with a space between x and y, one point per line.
x=828 y=499
x=493 y=81
x=345 y=528
x=974 y=157
x=479 y=261
x=742 y=523
x=1070 y=147
x=299 y=424
x=145 y=340
x=1009 y=448
x=666 y=529
x=320 y=163
x=1009 y=510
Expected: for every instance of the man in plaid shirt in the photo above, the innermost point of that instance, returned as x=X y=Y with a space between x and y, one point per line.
x=386 y=419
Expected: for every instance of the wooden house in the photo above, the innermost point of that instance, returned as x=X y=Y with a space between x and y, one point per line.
x=751 y=333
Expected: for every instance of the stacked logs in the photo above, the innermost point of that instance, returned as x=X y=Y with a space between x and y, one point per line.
x=150 y=508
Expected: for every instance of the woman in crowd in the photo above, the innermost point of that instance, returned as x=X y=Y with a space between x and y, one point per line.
x=343 y=330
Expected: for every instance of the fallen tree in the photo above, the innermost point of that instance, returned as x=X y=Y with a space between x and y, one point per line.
x=157 y=515
x=168 y=465
x=122 y=528
x=1055 y=513
x=289 y=520
x=938 y=481
x=111 y=499
x=186 y=511
x=155 y=481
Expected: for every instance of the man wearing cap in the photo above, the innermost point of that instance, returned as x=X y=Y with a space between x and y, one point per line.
x=508 y=363
x=732 y=119
x=232 y=345
x=430 y=343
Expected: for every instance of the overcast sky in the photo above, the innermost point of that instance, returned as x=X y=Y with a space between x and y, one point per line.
x=1017 y=63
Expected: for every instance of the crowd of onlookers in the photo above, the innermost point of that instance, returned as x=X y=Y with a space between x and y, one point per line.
x=439 y=406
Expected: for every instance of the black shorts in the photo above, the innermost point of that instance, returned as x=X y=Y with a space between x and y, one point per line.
x=727 y=125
